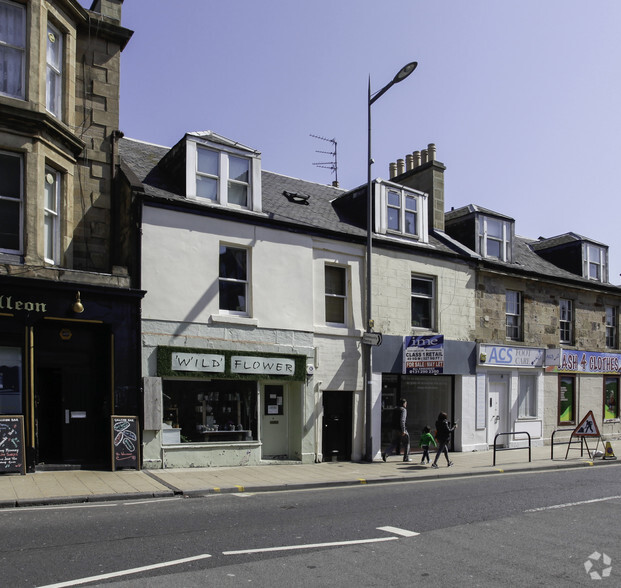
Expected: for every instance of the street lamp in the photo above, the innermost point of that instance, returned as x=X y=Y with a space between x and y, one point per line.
x=403 y=73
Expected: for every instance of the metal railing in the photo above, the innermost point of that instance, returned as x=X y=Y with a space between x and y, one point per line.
x=512 y=448
x=567 y=442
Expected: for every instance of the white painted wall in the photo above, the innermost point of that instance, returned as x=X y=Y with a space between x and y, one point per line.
x=180 y=270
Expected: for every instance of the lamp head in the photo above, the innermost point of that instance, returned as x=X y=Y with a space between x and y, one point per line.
x=78 y=307
x=404 y=72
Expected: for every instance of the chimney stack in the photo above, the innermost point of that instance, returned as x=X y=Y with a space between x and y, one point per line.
x=426 y=174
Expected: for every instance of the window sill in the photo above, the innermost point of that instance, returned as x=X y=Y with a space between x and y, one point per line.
x=230 y=319
x=337 y=331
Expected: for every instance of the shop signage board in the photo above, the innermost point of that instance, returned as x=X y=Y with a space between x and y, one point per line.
x=423 y=354
x=12 y=458
x=502 y=355
x=590 y=362
x=125 y=442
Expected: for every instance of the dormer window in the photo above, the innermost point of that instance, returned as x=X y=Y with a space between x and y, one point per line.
x=494 y=238
x=402 y=211
x=223 y=172
x=594 y=261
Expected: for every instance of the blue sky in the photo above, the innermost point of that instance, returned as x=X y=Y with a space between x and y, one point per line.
x=521 y=97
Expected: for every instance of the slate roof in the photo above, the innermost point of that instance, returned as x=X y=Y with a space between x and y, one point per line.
x=296 y=204
x=312 y=210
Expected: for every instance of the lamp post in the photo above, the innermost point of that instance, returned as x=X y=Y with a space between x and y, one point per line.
x=403 y=73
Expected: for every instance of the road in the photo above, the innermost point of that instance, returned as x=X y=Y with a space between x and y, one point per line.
x=499 y=530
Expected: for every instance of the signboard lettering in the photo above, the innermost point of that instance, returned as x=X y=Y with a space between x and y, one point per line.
x=278 y=366
x=423 y=354
x=585 y=361
x=511 y=356
x=7 y=303
x=197 y=362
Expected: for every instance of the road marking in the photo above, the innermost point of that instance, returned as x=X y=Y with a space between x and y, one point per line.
x=25 y=508
x=163 y=564
x=569 y=504
x=152 y=501
x=307 y=546
x=397 y=531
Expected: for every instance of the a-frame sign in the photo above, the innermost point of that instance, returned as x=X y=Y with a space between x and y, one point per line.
x=586 y=428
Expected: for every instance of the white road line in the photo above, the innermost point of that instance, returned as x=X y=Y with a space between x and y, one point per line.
x=163 y=564
x=397 y=531
x=19 y=509
x=152 y=501
x=569 y=504
x=308 y=546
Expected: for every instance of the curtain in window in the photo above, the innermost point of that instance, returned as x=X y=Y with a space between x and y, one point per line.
x=12 y=45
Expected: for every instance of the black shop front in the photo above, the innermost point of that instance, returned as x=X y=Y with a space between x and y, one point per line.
x=69 y=360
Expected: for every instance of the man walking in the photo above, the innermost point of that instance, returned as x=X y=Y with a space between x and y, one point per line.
x=399 y=434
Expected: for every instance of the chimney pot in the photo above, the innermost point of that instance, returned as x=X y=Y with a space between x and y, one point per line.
x=423 y=154
x=393 y=170
x=431 y=150
x=416 y=156
x=409 y=162
x=400 y=166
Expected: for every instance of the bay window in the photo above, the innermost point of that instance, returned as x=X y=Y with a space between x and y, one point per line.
x=54 y=70
x=51 y=224
x=11 y=197
x=12 y=49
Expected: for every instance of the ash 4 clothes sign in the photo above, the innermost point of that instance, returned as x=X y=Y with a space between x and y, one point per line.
x=423 y=354
x=569 y=360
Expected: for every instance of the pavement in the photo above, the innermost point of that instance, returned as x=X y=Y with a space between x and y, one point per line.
x=77 y=486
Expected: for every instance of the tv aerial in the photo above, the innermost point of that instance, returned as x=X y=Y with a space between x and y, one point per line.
x=331 y=165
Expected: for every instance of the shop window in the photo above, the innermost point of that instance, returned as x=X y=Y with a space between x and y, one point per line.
x=51 y=221
x=233 y=280
x=527 y=397
x=336 y=294
x=211 y=411
x=611 y=398
x=423 y=293
x=10 y=380
x=11 y=189
x=54 y=74
x=12 y=48
x=566 y=325
x=612 y=341
x=567 y=400
x=513 y=310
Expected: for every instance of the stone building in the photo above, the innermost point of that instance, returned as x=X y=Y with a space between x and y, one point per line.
x=68 y=313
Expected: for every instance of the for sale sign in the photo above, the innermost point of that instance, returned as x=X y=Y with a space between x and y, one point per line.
x=423 y=354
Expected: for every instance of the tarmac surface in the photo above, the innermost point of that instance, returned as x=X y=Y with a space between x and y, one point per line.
x=75 y=486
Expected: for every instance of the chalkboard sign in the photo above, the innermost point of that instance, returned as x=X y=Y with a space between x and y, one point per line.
x=12 y=445
x=125 y=443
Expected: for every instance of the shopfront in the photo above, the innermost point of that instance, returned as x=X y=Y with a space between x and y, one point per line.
x=510 y=395
x=69 y=359
x=583 y=381
x=223 y=407
x=429 y=372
